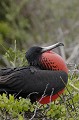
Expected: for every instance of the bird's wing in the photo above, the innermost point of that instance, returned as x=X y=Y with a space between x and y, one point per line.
x=33 y=80
x=7 y=71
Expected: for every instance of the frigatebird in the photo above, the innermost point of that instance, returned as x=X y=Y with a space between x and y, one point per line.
x=42 y=80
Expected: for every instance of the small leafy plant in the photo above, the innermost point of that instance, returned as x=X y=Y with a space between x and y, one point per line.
x=15 y=58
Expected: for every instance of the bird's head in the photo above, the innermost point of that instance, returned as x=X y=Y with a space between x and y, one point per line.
x=34 y=53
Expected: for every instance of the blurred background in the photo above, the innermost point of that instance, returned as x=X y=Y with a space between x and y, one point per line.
x=40 y=22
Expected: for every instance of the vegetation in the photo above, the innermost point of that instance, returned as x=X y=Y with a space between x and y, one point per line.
x=38 y=22
x=28 y=22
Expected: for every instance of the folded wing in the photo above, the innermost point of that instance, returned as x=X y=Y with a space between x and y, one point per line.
x=26 y=81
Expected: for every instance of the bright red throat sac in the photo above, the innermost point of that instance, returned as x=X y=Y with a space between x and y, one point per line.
x=53 y=61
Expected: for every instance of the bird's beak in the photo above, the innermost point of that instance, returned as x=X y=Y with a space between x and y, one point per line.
x=44 y=49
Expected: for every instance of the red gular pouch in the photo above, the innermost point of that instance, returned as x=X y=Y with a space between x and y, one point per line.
x=52 y=61
x=48 y=99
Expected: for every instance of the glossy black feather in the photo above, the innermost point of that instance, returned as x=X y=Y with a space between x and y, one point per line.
x=31 y=81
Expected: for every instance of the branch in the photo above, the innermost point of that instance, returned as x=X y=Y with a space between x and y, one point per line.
x=38 y=103
x=74 y=87
x=51 y=94
x=74 y=54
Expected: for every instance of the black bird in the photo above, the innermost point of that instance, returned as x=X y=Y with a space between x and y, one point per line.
x=44 y=78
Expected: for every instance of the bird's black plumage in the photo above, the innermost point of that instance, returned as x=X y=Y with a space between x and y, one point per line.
x=26 y=81
x=32 y=55
x=32 y=80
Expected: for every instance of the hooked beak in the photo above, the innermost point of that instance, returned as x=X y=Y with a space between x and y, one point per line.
x=44 y=49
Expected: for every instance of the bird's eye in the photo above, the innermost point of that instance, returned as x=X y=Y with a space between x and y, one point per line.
x=37 y=51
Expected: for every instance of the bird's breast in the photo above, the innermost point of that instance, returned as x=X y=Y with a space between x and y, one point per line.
x=53 y=61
